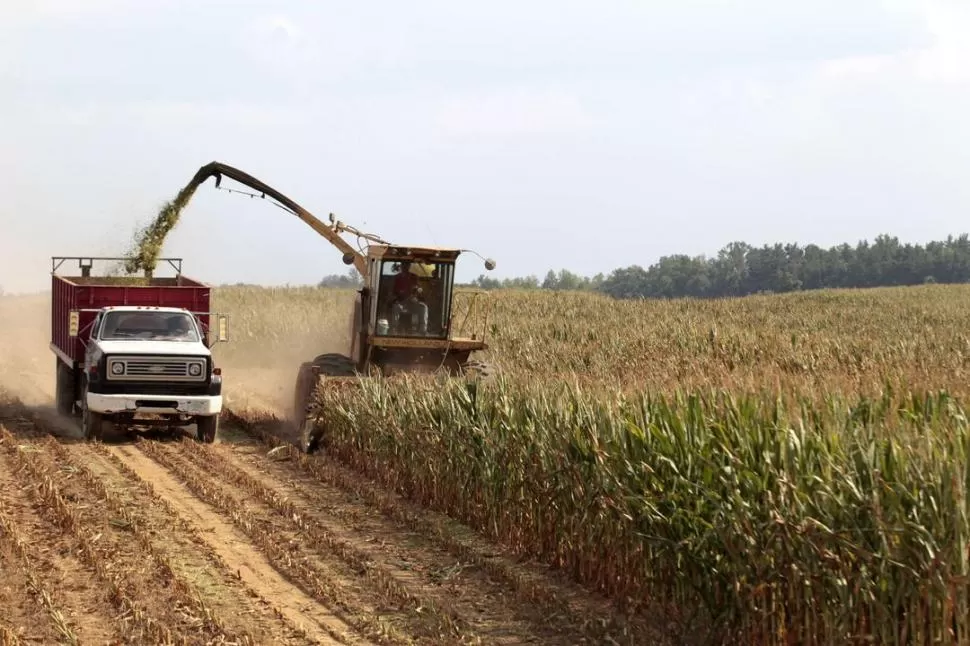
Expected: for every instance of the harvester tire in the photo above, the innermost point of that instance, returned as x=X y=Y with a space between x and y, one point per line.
x=66 y=390
x=335 y=365
x=328 y=365
x=207 y=429
x=305 y=382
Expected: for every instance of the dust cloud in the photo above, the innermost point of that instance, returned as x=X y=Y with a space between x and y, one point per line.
x=26 y=362
x=261 y=376
x=257 y=376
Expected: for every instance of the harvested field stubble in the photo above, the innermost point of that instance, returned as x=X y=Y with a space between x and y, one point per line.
x=284 y=551
x=10 y=536
x=165 y=619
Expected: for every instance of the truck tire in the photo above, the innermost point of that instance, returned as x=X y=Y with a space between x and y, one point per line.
x=329 y=365
x=65 y=392
x=95 y=426
x=207 y=429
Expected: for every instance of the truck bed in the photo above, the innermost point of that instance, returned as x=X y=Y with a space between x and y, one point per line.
x=80 y=293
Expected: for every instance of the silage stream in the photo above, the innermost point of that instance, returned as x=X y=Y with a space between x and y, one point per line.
x=144 y=255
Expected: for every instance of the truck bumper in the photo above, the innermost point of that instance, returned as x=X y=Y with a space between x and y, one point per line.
x=204 y=405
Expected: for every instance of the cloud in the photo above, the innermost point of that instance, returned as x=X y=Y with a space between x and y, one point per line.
x=309 y=48
x=26 y=10
x=512 y=112
x=947 y=60
x=168 y=114
x=943 y=57
x=277 y=39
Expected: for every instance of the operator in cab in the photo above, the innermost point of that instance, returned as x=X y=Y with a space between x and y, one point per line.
x=406 y=297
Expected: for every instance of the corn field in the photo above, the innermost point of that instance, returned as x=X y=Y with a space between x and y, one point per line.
x=784 y=469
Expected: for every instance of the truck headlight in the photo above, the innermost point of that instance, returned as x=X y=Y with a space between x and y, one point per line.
x=195 y=369
x=117 y=368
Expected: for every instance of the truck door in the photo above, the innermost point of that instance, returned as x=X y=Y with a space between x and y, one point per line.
x=92 y=336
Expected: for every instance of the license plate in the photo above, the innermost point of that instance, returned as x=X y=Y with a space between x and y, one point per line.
x=193 y=407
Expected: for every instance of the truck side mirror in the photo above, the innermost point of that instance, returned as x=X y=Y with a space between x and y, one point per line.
x=223 y=335
x=73 y=323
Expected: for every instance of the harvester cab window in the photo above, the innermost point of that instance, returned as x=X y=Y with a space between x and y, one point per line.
x=413 y=298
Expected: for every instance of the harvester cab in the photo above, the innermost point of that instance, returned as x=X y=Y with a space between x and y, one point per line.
x=404 y=316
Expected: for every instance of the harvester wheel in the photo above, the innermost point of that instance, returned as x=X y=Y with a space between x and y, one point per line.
x=305 y=382
x=310 y=436
x=207 y=428
x=65 y=389
x=335 y=365
x=327 y=365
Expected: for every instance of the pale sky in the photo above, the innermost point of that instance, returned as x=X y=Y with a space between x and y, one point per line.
x=585 y=135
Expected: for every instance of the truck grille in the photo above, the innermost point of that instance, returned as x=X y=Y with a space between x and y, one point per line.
x=166 y=369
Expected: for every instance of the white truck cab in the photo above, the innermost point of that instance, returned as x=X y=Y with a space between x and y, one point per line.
x=150 y=362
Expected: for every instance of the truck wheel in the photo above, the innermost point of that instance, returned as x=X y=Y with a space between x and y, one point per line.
x=207 y=428
x=94 y=425
x=66 y=390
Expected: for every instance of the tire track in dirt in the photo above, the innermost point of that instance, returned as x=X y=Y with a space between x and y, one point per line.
x=396 y=583
x=369 y=608
x=477 y=604
x=153 y=605
x=533 y=584
x=183 y=532
x=242 y=602
x=234 y=549
x=363 y=607
x=189 y=538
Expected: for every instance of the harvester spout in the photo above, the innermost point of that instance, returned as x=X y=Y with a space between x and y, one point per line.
x=331 y=233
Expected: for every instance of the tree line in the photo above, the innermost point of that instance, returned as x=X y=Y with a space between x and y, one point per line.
x=740 y=269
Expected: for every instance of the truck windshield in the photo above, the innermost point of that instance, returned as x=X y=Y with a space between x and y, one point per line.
x=148 y=325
